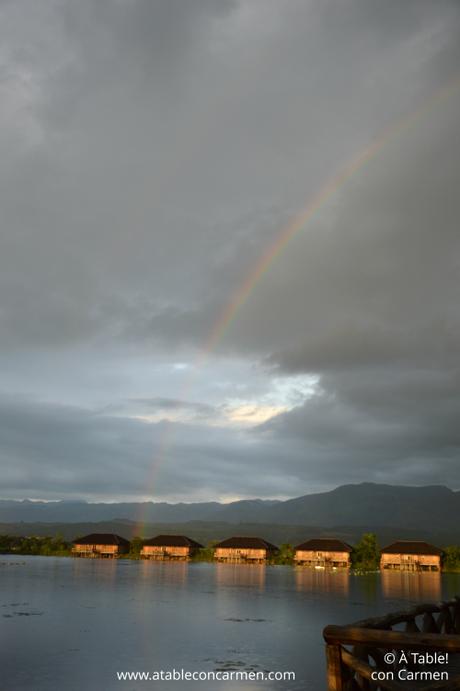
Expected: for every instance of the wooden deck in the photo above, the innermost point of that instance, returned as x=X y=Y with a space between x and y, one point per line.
x=356 y=654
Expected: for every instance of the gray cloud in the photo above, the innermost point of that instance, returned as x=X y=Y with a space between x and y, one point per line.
x=158 y=406
x=391 y=424
x=150 y=153
x=53 y=451
x=171 y=404
x=158 y=126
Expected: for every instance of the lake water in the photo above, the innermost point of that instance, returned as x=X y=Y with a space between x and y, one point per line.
x=73 y=623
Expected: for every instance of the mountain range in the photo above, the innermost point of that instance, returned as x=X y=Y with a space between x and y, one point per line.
x=429 y=508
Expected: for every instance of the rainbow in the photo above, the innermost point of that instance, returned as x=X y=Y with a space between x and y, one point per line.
x=271 y=254
x=290 y=231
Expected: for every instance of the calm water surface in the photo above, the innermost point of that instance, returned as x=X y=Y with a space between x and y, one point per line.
x=73 y=623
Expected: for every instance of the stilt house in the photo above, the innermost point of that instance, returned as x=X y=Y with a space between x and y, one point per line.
x=411 y=555
x=170 y=547
x=246 y=550
x=107 y=545
x=323 y=552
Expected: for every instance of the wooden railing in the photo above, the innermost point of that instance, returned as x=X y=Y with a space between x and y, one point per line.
x=367 y=656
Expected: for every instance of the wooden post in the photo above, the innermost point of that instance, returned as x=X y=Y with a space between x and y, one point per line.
x=334 y=668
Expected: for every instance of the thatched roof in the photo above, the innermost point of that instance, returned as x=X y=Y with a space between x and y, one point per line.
x=411 y=547
x=101 y=539
x=172 y=541
x=324 y=544
x=246 y=543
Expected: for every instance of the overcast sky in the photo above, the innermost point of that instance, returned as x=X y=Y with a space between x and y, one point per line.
x=151 y=151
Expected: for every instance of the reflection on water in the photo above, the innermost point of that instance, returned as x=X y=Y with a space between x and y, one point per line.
x=394 y=585
x=165 y=572
x=71 y=624
x=325 y=580
x=240 y=575
x=413 y=586
x=104 y=570
x=368 y=587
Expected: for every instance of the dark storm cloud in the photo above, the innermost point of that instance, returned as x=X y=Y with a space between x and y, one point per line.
x=160 y=405
x=375 y=278
x=52 y=451
x=150 y=152
x=145 y=128
x=391 y=424
x=378 y=318
x=172 y=404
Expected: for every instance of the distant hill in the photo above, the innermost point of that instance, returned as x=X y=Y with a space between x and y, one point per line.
x=206 y=531
x=77 y=511
x=429 y=509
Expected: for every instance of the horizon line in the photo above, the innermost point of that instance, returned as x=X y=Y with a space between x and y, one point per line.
x=34 y=500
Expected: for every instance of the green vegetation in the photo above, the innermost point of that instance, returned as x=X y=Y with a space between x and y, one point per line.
x=135 y=547
x=364 y=557
x=205 y=553
x=366 y=553
x=45 y=546
x=285 y=554
x=451 y=558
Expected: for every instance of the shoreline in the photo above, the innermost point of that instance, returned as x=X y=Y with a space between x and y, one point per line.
x=352 y=571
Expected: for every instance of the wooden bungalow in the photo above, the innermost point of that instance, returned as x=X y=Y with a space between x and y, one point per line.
x=411 y=555
x=106 y=545
x=323 y=552
x=244 y=550
x=170 y=547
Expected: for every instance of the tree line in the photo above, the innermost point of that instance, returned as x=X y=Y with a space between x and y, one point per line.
x=364 y=557
x=46 y=546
